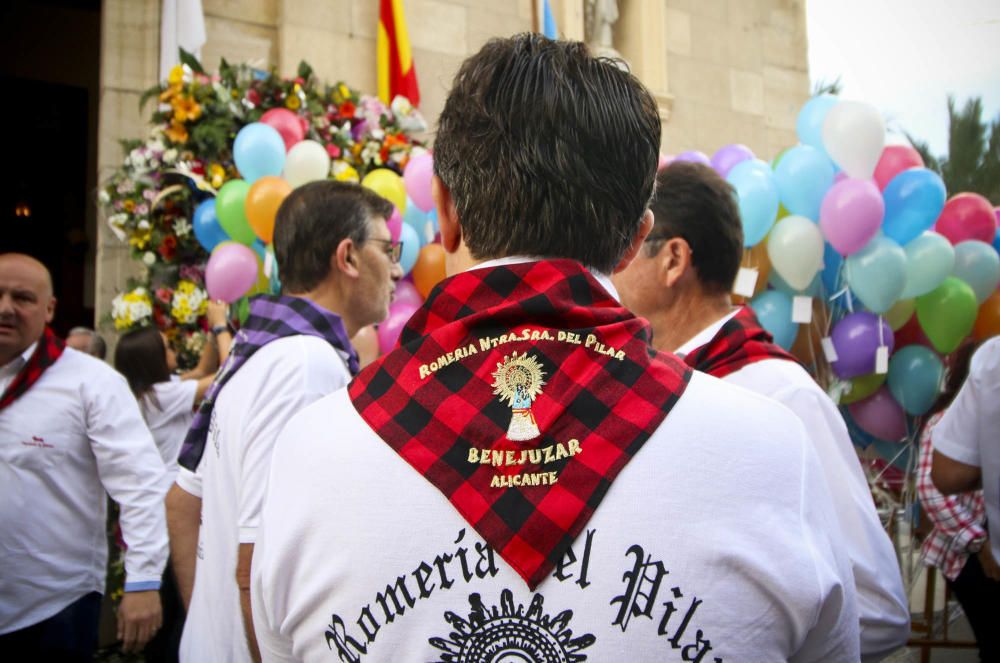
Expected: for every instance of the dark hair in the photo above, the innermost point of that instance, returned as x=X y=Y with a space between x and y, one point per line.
x=142 y=358
x=693 y=202
x=313 y=220
x=547 y=151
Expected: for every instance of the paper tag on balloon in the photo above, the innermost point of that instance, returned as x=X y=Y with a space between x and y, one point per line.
x=882 y=360
x=268 y=264
x=829 y=351
x=802 y=309
x=746 y=282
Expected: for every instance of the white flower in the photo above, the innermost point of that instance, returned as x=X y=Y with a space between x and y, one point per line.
x=117 y=224
x=170 y=156
x=182 y=228
x=143 y=225
x=149 y=258
x=103 y=197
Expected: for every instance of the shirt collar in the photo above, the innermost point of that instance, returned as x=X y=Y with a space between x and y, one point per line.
x=17 y=362
x=600 y=277
x=705 y=335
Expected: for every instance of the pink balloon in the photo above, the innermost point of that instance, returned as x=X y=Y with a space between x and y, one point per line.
x=390 y=328
x=231 y=271
x=851 y=214
x=840 y=176
x=880 y=415
x=395 y=223
x=894 y=160
x=288 y=124
x=407 y=295
x=664 y=161
x=417 y=178
x=967 y=216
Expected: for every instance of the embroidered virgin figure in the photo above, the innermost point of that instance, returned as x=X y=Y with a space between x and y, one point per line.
x=518 y=382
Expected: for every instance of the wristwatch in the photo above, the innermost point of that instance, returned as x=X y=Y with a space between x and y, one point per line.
x=218 y=329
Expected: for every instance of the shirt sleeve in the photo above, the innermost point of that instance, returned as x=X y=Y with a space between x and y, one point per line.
x=133 y=473
x=958 y=434
x=190 y=481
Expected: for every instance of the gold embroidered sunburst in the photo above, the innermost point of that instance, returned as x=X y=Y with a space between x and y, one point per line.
x=518 y=380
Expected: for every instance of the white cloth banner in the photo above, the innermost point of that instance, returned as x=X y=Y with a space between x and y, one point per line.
x=182 y=24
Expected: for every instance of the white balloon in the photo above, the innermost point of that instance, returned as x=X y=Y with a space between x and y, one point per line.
x=307 y=161
x=853 y=136
x=795 y=247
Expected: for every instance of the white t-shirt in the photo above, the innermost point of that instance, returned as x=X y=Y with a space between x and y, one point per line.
x=73 y=438
x=882 y=604
x=969 y=432
x=169 y=418
x=718 y=534
x=276 y=382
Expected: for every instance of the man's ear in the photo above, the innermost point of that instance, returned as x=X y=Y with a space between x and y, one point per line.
x=451 y=229
x=675 y=261
x=645 y=226
x=50 y=310
x=345 y=259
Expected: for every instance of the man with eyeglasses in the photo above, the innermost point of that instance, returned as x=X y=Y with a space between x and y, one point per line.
x=338 y=268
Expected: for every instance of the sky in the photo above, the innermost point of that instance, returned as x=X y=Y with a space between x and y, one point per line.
x=906 y=56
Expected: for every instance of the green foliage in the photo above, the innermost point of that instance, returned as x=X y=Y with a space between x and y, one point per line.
x=823 y=86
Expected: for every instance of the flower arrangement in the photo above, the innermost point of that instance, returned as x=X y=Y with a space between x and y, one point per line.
x=187 y=157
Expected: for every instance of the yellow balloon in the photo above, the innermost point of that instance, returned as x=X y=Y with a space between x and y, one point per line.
x=387 y=184
x=863 y=386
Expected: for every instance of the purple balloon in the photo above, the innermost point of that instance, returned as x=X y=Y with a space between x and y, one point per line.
x=730 y=155
x=851 y=214
x=880 y=415
x=394 y=223
x=694 y=156
x=390 y=328
x=407 y=295
x=231 y=271
x=856 y=340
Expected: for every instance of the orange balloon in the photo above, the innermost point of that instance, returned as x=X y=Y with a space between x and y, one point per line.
x=262 y=203
x=429 y=270
x=988 y=320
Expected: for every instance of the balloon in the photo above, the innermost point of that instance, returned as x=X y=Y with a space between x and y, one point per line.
x=915 y=375
x=988 y=320
x=387 y=184
x=429 y=270
x=913 y=201
x=231 y=271
x=207 y=230
x=803 y=177
x=730 y=155
x=947 y=314
x=774 y=310
x=996 y=240
x=229 y=206
x=286 y=123
x=757 y=196
x=851 y=214
x=395 y=224
x=664 y=161
x=929 y=259
x=900 y=313
x=407 y=293
x=894 y=160
x=307 y=161
x=911 y=333
x=880 y=415
x=258 y=151
x=262 y=203
x=809 y=124
x=411 y=248
x=853 y=135
x=417 y=180
x=418 y=220
x=814 y=289
x=977 y=264
x=877 y=273
x=694 y=156
x=967 y=216
x=795 y=247
x=365 y=342
x=831 y=269
x=390 y=328
x=862 y=387
x=856 y=338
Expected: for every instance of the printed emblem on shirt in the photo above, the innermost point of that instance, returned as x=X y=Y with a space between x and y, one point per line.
x=518 y=382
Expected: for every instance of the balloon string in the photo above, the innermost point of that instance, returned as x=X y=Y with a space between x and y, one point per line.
x=881 y=333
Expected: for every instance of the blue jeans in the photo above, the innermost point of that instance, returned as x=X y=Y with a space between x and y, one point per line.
x=69 y=635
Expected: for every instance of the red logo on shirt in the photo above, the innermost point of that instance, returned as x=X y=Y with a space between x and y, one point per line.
x=37 y=442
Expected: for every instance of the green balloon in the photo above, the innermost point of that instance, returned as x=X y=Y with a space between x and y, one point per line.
x=947 y=314
x=862 y=387
x=230 y=212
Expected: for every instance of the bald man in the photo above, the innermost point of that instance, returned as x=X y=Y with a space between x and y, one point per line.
x=69 y=431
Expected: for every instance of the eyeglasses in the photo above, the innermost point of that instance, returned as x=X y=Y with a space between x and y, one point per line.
x=394 y=250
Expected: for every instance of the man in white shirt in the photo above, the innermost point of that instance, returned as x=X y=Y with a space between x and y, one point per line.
x=338 y=267
x=521 y=478
x=69 y=431
x=681 y=283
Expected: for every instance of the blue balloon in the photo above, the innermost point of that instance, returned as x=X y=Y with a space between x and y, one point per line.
x=877 y=273
x=411 y=248
x=803 y=176
x=996 y=241
x=417 y=219
x=432 y=216
x=913 y=201
x=832 y=260
x=774 y=310
x=915 y=375
x=809 y=124
x=757 y=196
x=207 y=230
x=259 y=151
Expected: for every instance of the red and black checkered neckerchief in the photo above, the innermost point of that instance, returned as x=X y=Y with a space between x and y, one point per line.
x=741 y=341
x=49 y=349
x=541 y=353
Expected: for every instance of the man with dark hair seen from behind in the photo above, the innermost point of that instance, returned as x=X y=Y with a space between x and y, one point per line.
x=338 y=268
x=70 y=434
x=522 y=474
x=681 y=282
x=87 y=340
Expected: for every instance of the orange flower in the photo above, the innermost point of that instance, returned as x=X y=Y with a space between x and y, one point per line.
x=347 y=109
x=129 y=205
x=395 y=140
x=293 y=102
x=176 y=132
x=186 y=109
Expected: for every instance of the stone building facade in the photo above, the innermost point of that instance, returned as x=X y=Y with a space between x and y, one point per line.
x=723 y=71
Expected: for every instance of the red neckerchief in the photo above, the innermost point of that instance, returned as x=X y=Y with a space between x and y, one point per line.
x=49 y=349
x=574 y=407
x=741 y=341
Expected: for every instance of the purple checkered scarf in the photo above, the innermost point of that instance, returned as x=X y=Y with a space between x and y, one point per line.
x=271 y=317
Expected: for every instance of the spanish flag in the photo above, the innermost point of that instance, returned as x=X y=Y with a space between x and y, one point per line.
x=396 y=74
